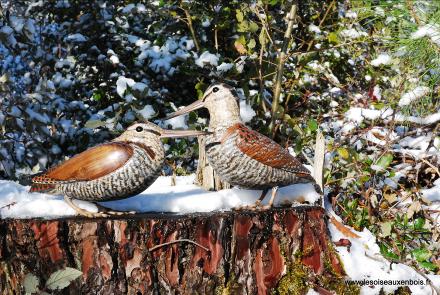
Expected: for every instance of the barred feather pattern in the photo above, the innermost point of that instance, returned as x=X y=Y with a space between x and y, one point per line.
x=238 y=168
x=138 y=173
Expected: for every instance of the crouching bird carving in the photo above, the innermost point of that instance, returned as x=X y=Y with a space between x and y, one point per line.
x=239 y=155
x=115 y=170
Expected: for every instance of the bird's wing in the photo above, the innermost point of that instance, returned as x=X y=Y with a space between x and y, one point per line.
x=88 y=165
x=264 y=150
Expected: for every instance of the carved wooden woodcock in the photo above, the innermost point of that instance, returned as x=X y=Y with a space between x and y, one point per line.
x=241 y=156
x=115 y=170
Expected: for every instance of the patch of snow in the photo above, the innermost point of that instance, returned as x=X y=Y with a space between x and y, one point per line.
x=177 y=122
x=364 y=262
x=161 y=196
x=224 y=67
x=207 y=58
x=76 y=38
x=381 y=59
x=147 y=112
x=246 y=111
x=427 y=120
x=351 y=14
x=206 y=23
x=314 y=29
x=431 y=31
x=352 y=33
x=413 y=95
x=42 y=118
x=433 y=193
x=122 y=83
x=114 y=59
x=360 y=114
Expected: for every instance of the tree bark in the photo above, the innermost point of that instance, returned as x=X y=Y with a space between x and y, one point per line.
x=280 y=251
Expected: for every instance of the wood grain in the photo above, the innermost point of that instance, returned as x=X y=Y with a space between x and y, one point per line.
x=90 y=164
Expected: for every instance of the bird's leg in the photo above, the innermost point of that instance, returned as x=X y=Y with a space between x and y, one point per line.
x=261 y=198
x=112 y=212
x=83 y=212
x=272 y=198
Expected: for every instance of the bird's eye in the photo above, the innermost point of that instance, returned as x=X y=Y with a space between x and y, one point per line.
x=139 y=129
x=215 y=89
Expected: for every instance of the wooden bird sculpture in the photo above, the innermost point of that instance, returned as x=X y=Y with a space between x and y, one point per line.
x=239 y=155
x=115 y=170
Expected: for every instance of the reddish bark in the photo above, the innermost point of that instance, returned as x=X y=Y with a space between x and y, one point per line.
x=249 y=252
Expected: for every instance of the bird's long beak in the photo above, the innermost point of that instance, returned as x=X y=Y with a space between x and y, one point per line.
x=194 y=106
x=168 y=133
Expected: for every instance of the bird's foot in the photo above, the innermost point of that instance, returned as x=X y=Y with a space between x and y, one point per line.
x=110 y=212
x=106 y=212
x=257 y=206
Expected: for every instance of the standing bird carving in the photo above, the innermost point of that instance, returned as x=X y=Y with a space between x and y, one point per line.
x=115 y=170
x=239 y=155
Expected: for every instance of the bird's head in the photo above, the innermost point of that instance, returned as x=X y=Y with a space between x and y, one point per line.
x=221 y=101
x=148 y=132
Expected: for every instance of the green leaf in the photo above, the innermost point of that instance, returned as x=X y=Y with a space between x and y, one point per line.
x=333 y=38
x=312 y=125
x=239 y=15
x=262 y=37
x=386 y=227
x=343 y=153
x=62 y=278
x=97 y=96
x=385 y=251
x=30 y=283
x=92 y=124
x=243 y=27
x=253 y=27
x=421 y=254
x=251 y=44
x=429 y=266
x=419 y=223
x=385 y=160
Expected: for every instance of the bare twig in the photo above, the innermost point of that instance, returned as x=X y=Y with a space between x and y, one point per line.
x=280 y=67
x=191 y=28
x=178 y=241
x=8 y=205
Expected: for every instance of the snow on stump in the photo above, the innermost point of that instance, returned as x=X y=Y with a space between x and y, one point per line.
x=284 y=249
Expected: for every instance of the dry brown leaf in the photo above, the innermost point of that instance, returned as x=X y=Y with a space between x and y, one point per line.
x=240 y=47
x=343 y=229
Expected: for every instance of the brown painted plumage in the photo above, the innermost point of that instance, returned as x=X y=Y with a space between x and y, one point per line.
x=264 y=149
x=88 y=165
x=239 y=155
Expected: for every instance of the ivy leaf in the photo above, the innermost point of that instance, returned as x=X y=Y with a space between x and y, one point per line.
x=343 y=153
x=333 y=38
x=419 y=223
x=62 y=278
x=312 y=125
x=429 y=266
x=386 y=228
x=421 y=255
x=253 y=27
x=385 y=160
x=251 y=44
x=239 y=15
x=385 y=251
x=31 y=283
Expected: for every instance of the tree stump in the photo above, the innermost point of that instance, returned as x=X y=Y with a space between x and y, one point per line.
x=279 y=251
